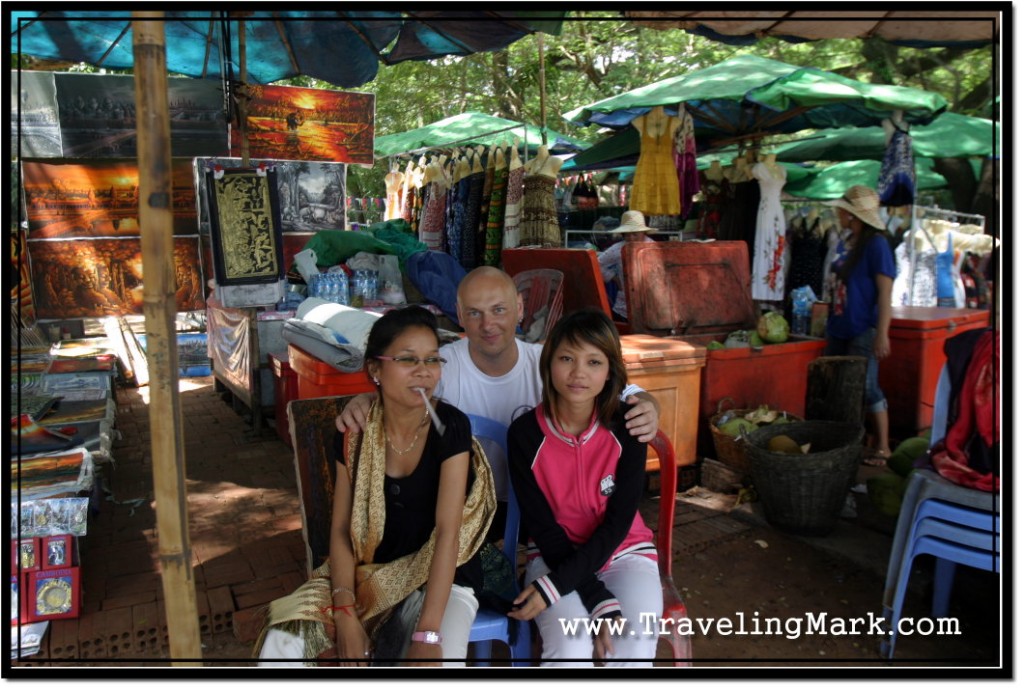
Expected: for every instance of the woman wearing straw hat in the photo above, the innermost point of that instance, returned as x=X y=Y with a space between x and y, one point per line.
x=633 y=229
x=860 y=281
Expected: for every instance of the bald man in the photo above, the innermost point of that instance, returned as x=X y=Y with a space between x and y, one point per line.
x=492 y=373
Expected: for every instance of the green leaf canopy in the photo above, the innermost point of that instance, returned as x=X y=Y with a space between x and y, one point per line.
x=471 y=129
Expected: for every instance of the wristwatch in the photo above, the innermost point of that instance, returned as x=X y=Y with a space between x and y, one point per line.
x=431 y=637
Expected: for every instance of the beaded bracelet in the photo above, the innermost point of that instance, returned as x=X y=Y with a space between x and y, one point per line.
x=343 y=589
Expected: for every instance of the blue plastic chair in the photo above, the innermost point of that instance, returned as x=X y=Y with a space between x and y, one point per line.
x=491 y=625
x=957 y=525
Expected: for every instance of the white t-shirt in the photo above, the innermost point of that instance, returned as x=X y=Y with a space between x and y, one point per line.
x=501 y=398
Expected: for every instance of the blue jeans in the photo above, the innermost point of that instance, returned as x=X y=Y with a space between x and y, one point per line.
x=863 y=346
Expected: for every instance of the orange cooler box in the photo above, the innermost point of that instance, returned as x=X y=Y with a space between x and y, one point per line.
x=318 y=379
x=670 y=371
x=910 y=374
x=698 y=292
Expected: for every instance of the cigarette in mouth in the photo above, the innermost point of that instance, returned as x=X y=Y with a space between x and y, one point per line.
x=438 y=425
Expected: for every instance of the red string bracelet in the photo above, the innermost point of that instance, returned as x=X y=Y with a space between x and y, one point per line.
x=347 y=609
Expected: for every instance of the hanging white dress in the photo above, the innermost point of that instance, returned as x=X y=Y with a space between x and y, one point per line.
x=768 y=276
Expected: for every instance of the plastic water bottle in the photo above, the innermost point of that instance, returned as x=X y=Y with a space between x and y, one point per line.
x=335 y=289
x=342 y=294
x=315 y=286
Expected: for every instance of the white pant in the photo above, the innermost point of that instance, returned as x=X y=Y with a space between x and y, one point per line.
x=634 y=580
x=458 y=618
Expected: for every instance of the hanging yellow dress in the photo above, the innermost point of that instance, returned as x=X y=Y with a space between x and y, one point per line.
x=656 y=182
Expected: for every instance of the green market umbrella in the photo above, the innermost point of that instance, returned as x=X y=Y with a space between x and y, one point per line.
x=746 y=97
x=950 y=135
x=471 y=129
x=833 y=181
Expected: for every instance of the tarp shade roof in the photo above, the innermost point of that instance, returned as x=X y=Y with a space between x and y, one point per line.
x=748 y=95
x=966 y=28
x=344 y=48
x=471 y=129
x=833 y=181
x=950 y=135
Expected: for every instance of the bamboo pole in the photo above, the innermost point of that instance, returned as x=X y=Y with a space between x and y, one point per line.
x=155 y=221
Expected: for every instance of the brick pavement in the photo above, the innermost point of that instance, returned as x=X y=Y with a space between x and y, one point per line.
x=245 y=534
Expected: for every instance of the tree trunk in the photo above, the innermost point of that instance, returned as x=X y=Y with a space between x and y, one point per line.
x=835 y=389
x=962 y=185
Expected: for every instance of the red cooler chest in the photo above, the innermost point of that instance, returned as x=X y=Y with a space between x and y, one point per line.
x=318 y=379
x=910 y=374
x=698 y=292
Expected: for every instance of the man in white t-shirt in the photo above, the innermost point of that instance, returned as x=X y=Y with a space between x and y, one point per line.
x=492 y=373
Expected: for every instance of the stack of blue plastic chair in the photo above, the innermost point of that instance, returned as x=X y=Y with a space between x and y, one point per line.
x=491 y=625
x=955 y=524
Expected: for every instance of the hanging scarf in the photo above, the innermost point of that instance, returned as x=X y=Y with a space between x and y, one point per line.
x=379 y=587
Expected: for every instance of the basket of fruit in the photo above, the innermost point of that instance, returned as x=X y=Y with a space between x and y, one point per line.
x=730 y=425
x=803 y=472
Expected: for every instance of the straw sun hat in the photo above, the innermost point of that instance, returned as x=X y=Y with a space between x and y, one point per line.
x=632 y=222
x=863 y=203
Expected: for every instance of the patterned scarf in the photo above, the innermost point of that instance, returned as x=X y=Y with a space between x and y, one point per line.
x=379 y=587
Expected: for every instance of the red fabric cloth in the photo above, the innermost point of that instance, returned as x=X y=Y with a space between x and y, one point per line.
x=979 y=414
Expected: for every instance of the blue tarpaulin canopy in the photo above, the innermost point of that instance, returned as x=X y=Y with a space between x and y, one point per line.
x=344 y=48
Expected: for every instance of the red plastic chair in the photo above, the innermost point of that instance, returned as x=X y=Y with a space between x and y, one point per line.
x=674 y=608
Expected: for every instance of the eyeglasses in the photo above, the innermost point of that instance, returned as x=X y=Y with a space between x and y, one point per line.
x=408 y=361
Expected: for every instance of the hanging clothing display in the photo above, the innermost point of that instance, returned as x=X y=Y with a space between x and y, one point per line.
x=408 y=192
x=655 y=182
x=513 y=203
x=432 y=220
x=741 y=199
x=807 y=251
x=457 y=211
x=714 y=200
x=471 y=219
x=897 y=179
x=920 y=288
x=485 y=205
x=496 y=211
x=393 y=184
x=768 y=272
x=684 y=155
x=539 y=225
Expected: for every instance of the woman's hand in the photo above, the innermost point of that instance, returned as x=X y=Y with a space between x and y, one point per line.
x=352 y=642
x=882 y=348
x=353 y=416
x=603 y=640
x=642 y=418
x=529 y=604
x=423 y=655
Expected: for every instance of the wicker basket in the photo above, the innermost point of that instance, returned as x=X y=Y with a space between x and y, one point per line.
x=729 y=449
x=805 y=493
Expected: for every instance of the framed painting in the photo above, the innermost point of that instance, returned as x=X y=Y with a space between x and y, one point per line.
x=311 y=194
x=97 y=116
x=103 y=277
x=35 y=97
x=245 y=221
x=69 y=199
x=296 y=124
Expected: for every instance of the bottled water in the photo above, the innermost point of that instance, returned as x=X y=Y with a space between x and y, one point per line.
x=315 y=286
x=342 y=294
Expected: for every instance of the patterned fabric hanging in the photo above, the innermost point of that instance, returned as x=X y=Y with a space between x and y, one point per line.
x=897 y=180
x=496 y=217
x=513 y=207
x=485 y=205
x=685 y=156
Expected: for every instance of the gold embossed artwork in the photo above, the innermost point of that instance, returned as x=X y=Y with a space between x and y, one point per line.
x=246 y=227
